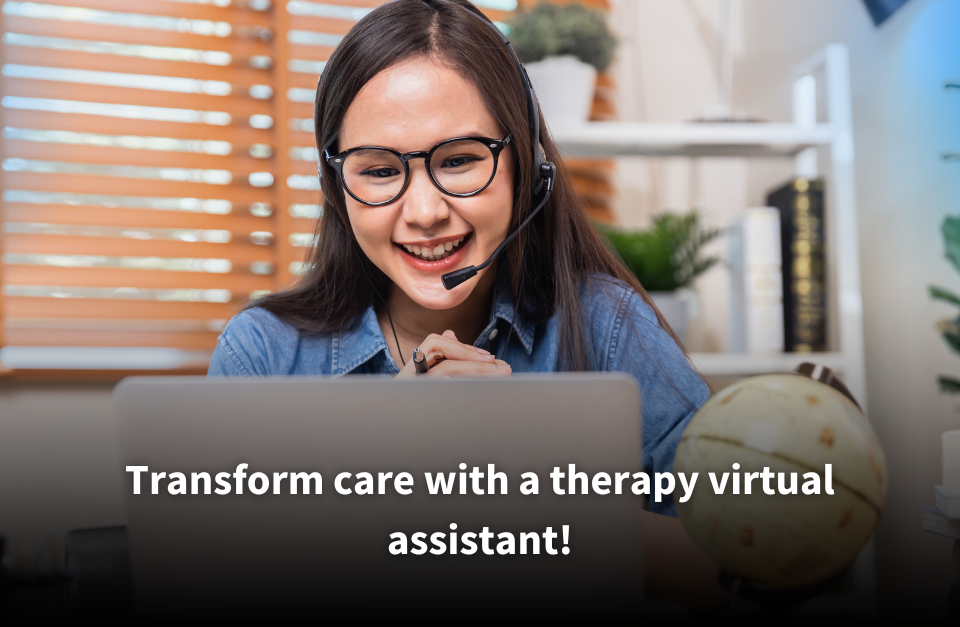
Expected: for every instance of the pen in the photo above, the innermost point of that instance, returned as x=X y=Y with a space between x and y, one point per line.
x=420 y=361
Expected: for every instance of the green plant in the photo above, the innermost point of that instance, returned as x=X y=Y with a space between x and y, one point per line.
x=949 y=328
x=550 y=30
x=668 y=256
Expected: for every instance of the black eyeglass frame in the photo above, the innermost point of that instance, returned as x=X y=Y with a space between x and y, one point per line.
x=495 y=146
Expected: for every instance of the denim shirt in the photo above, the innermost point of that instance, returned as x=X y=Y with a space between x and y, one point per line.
x=622 y=334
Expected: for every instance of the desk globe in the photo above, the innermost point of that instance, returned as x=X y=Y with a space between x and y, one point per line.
x=791 y=423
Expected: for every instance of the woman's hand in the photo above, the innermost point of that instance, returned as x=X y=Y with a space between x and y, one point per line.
x=447 y=357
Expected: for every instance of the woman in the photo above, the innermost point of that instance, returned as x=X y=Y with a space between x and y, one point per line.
x=409 y=77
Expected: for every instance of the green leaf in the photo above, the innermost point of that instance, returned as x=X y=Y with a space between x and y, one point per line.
x=939 y=293
x=668 y=255
x=550 y=30
x=948 y=385
x=953 y=339
x=951 y=239
x=950 y=329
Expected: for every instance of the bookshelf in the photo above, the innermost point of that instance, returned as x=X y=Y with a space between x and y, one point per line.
x=801 y=139
x=694 y=139
x=827 y=71
x=730 y=364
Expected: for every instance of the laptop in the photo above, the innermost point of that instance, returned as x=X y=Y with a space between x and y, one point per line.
x=351 y=551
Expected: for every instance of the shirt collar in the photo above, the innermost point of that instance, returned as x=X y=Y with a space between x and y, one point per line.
x=361 y=343
x=503 y=309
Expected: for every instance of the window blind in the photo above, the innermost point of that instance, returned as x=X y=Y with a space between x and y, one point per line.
x=138 y=165
x=159 y=170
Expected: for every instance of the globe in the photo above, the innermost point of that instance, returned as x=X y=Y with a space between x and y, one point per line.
x=787 y=423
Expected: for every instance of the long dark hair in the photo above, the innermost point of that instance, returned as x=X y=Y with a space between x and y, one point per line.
x=550 y=259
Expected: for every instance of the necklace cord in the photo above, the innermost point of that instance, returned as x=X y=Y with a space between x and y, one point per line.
x=386 y=307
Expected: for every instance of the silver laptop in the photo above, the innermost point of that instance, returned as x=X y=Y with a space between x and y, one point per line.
x=333 y=554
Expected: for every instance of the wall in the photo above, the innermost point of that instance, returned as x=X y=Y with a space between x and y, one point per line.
x=667 y=71
x=903 y=121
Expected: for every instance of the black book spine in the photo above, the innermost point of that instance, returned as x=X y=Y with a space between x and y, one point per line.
x=801 y=230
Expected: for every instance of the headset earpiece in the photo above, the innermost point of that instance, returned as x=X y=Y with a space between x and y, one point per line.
x=548 y=172
x=542 y=169
x=539 y=158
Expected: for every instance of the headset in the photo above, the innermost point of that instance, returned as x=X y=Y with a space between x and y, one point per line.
x=544 y=172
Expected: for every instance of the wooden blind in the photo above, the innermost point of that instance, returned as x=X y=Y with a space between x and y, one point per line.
x=159 y=169
x=139 y=176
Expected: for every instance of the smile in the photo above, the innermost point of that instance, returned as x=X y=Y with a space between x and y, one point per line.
x=436 y=251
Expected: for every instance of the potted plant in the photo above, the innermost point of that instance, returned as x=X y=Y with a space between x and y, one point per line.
x=563 y=47
x=666 y=259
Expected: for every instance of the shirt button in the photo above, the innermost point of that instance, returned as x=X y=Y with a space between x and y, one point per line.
x=493 y=335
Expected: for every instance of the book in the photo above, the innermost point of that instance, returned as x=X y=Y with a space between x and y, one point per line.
x=951 y=461
x=948 y=502
x=936 y=522
x=756 y=280
x=800 y=203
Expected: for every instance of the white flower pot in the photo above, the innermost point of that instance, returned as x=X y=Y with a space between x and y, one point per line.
x=673 y=306
x=564 y=86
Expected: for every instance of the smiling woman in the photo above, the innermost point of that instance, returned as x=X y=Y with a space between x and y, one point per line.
x=459 y=194
x=432 y=162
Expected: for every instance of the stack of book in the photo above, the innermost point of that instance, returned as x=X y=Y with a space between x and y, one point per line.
x=778 y=273
x=944 y=519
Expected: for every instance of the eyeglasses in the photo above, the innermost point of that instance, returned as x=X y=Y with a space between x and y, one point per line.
x=461 y=167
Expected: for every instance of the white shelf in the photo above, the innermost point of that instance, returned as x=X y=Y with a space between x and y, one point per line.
x=828 y=73
x=691 y=139
x=101 y=358
x=721 y=364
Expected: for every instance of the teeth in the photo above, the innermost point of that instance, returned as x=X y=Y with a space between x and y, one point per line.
x=440 y=251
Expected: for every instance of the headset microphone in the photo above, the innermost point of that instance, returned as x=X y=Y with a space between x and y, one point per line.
x=455 y=278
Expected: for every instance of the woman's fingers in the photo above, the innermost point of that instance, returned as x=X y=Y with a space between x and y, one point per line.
x=447 y=357
x=450 y=368
x=442 y=347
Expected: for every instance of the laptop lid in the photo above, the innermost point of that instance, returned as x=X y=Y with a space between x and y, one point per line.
x=313 y=555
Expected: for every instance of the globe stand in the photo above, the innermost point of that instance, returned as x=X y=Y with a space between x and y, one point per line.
x=776 y=604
